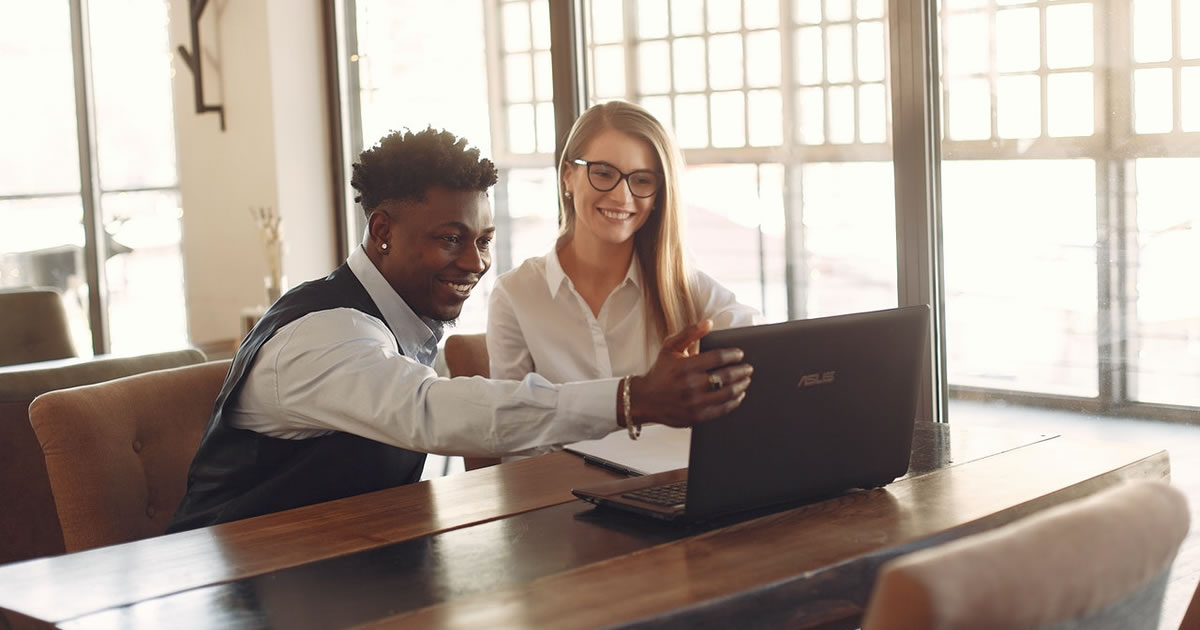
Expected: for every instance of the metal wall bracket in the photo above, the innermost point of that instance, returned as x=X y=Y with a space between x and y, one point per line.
x=193 y=61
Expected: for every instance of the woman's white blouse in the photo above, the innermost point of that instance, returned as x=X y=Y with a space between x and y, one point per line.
x=538 y=322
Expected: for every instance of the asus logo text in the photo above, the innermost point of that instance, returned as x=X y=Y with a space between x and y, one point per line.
x=816 y=378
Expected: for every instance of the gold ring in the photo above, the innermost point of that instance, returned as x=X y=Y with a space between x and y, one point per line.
x=715 y=382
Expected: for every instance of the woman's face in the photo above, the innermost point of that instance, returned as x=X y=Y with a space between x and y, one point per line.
x=616 y=215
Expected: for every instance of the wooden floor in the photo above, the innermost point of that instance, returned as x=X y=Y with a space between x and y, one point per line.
x=1182 y=441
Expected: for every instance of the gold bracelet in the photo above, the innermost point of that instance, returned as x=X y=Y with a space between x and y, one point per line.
x=626 y=406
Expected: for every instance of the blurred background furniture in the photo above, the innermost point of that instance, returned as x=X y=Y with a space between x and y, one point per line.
x=28 y=521
x=117 y=453
x=33 y=326
x=1100 y=562
x=467 y=355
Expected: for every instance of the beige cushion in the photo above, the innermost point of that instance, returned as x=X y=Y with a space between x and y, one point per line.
x=117 y=453
x=1063 y=563
x=29 y=523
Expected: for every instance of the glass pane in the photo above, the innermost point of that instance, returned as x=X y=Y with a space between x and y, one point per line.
x=839 y=47
x=660 y=106
x=514 y=18
x=969 y=109
x=687 y=56
x=543 y=77
x=392 y=33
x=732 y=225
x=1069 y=31
x=545 y=128
x=41 y=245
x=762 y=59
x=687 y=17
x=810 y=116
x=806 y=11
x=144 y=271
x=766 y=118
x=1070 y=104
x=652 y=19
x=871 y=55
x=728 y=115
x=518 y=77
x=724 y=15
x=841 y=114
x=872 y=113
x=869 y=9
x=609 y=71
x=725 y=62
x=691 y=120
x=607 y=21
x=522 y=134
x=1019 y=107
x=1017 y=47
x=1166 y=342
x=837 y=10
x=1151 y=30
x=1152 y=100
x=966 y=40
x=131 y=74
x=540 y=28
x=810 y=54
x=533 y=213
x=1189 y=22
x=762 y=13
x=1189 y=79
x=654 y=68
x=39 y=152
x=1022 y=322
x=848 y=227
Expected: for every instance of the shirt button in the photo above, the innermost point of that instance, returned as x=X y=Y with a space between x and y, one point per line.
x=150 y=511
x=137 y=446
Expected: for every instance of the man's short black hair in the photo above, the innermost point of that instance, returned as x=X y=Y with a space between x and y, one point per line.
x=403 y=165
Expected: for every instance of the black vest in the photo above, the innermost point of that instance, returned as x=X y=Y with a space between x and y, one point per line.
x=239 y=473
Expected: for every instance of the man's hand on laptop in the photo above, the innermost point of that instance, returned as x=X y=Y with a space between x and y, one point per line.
x=684 y=387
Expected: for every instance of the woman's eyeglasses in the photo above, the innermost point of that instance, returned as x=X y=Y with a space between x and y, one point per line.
x=605 y=177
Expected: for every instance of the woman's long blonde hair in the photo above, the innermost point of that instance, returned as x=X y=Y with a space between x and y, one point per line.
x=659 y=243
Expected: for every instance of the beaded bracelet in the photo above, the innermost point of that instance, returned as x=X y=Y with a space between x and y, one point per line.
x=626 y=406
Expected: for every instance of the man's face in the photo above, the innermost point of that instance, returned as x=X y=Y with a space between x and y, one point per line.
x=438 y=249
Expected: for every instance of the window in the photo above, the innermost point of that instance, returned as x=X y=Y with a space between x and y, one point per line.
x=135 y=181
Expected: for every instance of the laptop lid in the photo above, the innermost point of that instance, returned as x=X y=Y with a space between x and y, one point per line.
x=831 y=406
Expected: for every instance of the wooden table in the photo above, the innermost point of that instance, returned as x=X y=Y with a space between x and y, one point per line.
x=509 y=546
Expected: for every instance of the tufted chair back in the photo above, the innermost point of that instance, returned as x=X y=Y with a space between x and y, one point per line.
x=117 y=453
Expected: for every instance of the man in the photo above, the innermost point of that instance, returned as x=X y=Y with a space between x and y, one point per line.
x=331 y=394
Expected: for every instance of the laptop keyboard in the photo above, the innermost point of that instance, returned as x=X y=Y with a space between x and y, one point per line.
x=669 y=494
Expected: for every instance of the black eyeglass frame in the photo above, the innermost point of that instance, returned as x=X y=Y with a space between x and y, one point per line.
x=624 y=176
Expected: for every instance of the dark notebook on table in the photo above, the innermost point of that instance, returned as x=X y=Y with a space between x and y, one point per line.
x=831 y=406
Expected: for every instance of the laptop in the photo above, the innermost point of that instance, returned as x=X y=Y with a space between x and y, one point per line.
x=831 y=407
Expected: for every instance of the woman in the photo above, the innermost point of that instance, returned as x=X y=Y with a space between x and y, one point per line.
x=615 y=285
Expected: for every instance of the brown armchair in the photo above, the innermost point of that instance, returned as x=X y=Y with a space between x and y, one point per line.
x=117 y=453
x=33 y=327
x=28 y=521
x=467 y=355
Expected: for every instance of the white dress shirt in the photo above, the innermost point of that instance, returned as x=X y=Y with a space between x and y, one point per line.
x=341 y=370
x=538 y=322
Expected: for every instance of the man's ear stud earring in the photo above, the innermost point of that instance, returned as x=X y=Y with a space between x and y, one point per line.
x=383 y=246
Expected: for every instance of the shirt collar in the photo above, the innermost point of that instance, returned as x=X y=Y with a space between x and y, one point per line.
x=418 y=336
x=555 y=276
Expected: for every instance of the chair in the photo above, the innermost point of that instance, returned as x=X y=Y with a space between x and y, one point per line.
x=28 y=521
x=33 y=326
x=1099 y=562
x=467 y=355
x=117 y=453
